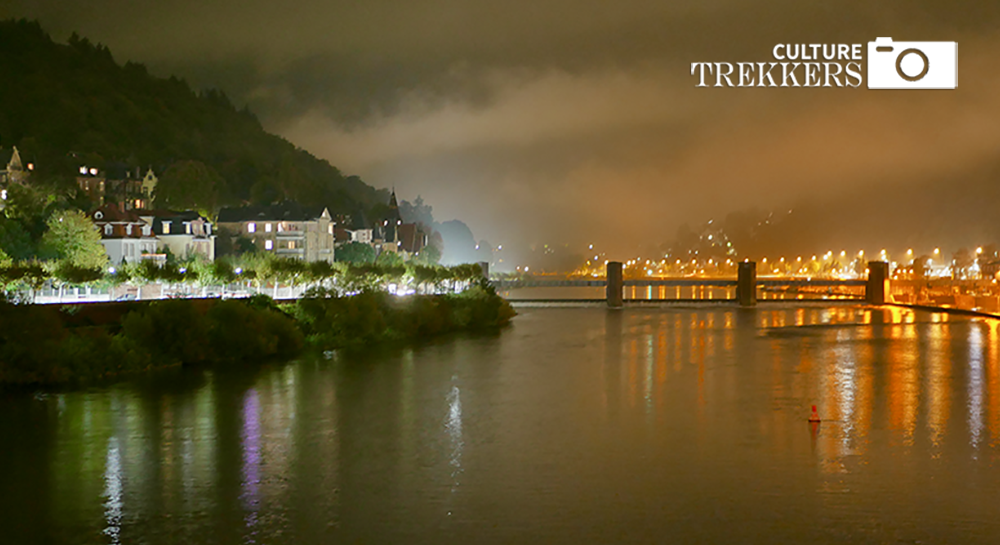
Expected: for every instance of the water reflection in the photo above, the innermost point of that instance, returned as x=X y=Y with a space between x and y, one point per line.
x=113 y=492
x=574 y=423
x=454 y=427
x=250 y=439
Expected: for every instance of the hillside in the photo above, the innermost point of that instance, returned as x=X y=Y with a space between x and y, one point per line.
x=64 y=105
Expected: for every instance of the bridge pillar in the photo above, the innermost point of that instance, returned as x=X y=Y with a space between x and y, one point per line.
x=615 y=284
x=877 y=288
x=746 y=284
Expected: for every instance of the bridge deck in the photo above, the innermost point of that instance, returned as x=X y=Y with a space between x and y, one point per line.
x=677 y=282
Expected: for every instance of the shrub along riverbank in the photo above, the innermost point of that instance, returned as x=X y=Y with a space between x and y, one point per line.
x=48 y=345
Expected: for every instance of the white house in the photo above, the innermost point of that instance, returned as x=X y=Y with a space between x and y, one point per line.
x=125 y=236
x=186 y=234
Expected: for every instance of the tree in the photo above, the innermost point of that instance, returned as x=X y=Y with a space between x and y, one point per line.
x=417 y=212
x=389 y=259
x=355 y=252
x=429 y=255
x=71 y=236
x=15 y=241
x=189 y=185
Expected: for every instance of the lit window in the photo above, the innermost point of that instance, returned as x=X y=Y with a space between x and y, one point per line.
x=267 y=227
x=251 y=227
x=166 y=228
x=268 y=244
x=330 y=228
x=291 y=244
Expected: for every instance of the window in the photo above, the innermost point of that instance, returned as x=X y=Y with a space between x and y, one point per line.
x=166 y=227
x=128 y=229
x=187 y=227
x=268 y=244
x=330 y=228
x=107 y=229
x=267 y=227
x=251 y=227
x=291 y=244
x=208 y=228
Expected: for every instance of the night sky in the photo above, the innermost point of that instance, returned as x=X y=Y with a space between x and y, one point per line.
x=572 y=120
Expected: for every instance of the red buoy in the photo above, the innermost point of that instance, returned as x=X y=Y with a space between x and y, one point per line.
x=814 y=417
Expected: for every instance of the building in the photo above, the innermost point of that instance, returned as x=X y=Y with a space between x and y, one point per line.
x=185 y=234
x=391 y=234
x=121 y=185
x=991 y=269
x=14 y=172
x=126 y=236
x=345 y=236
x=412 y=238
x=286 y=229
x=91 y=182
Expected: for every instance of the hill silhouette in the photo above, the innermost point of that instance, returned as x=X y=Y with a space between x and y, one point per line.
x=66 y=105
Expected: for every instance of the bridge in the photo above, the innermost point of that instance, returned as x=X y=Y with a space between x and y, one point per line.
x=744 y=286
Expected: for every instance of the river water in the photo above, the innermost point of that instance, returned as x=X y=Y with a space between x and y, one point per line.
x=679 y=424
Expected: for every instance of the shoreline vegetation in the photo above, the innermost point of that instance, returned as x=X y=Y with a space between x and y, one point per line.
x=349 y=308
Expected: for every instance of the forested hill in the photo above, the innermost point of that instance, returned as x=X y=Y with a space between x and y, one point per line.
x=64 y=105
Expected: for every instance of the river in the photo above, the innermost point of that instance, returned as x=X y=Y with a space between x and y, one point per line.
x=673 y=424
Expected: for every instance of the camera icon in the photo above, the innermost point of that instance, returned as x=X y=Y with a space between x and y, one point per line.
x=912 y=65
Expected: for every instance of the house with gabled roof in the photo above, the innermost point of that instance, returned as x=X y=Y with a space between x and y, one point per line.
x=185 y=234
x=126 y=236
x=286 y=229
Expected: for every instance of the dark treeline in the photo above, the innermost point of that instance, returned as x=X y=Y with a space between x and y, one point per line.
x=52 y=345
x=67 y=105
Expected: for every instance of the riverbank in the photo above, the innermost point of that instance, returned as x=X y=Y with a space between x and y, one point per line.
x=71 y=344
